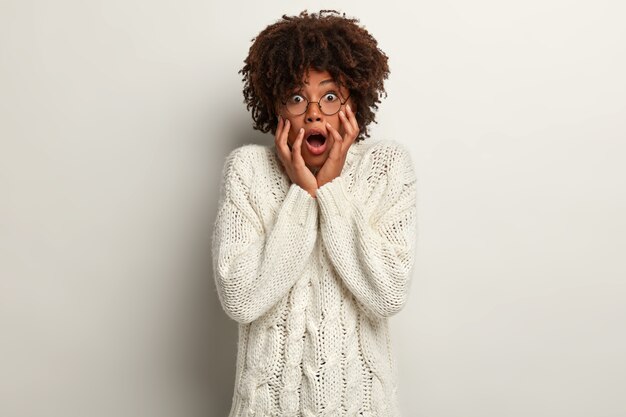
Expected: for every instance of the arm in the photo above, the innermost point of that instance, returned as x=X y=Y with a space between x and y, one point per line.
x=254 y=267
x=371 y=239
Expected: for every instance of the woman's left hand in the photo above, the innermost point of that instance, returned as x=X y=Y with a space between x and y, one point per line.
x=337 y=157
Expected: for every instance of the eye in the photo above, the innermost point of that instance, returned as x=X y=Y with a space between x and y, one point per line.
x=330 y=97
x=295 y=99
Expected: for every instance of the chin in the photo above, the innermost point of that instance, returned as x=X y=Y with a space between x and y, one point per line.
x=313 y=167
x=316 y=161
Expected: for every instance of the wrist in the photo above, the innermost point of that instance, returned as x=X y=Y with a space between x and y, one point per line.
x=323 y=181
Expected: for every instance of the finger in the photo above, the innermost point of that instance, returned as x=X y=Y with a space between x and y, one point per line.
x=349 y=122
x=336 y=136
x=347 y=125
x=297 y=147
x=352 y=118
x=277 y=135
x=349 y=132
x=282 y=140
x=285 y=134
x=279 y=128
x=335 y=151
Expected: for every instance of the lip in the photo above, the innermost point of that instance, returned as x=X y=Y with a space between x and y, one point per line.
x=316 y=150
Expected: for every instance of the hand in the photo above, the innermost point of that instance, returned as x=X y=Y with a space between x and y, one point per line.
x=337 y=156
x=292 y=159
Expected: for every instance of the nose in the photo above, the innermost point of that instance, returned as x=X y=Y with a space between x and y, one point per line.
x=313 y=113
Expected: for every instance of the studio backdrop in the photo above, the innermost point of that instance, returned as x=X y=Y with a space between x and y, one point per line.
x=116 y=117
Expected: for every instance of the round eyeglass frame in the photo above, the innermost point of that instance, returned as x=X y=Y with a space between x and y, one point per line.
x=318 y=104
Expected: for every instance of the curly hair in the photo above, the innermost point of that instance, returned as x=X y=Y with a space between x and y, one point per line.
x=326 y=41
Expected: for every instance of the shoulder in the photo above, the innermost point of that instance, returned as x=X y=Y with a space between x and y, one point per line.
x=383 y=171
x=248 y=159
x=242 y=164
x=384 y=156
x=247 y=154
x=390 y=149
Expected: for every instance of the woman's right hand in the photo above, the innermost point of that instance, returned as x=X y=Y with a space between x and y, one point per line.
x=292 y=159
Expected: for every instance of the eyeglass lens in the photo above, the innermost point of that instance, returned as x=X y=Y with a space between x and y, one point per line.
x=329 y=104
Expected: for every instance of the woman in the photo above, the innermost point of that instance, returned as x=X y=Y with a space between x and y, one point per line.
x=314 y=240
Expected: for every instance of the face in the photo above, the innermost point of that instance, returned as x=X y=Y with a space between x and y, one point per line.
x=316 y=86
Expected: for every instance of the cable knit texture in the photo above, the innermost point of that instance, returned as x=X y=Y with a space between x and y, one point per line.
x=313 y=281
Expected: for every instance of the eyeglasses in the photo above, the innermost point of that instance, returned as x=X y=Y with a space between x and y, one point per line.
x=329 y=104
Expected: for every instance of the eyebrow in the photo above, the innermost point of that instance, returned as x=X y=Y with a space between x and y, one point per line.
x=330 y=80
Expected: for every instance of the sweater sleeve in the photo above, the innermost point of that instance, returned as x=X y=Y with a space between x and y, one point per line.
x=371 y=240
x=254 y=267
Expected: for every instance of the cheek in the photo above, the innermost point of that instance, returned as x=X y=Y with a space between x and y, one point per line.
x=336 y=123
x=291 y=136
x=293 y=132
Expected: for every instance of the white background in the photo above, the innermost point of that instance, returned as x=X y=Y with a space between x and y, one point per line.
x=116 y=116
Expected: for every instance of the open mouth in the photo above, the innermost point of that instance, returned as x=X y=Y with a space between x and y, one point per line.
x=316 y=140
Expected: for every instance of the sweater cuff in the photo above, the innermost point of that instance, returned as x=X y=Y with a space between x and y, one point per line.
x=333 y=199
x=301 y=206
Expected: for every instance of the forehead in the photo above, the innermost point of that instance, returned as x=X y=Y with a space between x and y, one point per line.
x=313 y=77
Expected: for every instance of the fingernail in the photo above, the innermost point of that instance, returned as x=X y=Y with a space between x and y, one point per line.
x=348 y=106
x=301 y=130
x=341 y=112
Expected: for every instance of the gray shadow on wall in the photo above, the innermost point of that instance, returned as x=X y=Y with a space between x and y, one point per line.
x=213 y=336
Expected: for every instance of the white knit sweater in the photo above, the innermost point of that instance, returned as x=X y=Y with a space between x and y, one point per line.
x=312 y=281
